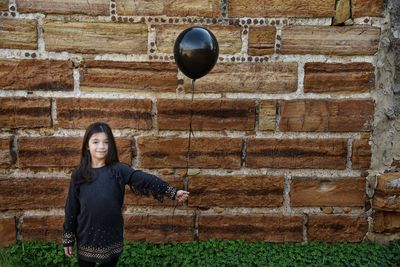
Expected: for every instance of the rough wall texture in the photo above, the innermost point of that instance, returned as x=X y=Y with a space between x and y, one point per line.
x=294 y=128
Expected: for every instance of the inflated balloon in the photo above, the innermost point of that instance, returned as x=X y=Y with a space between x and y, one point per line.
x=196 y=52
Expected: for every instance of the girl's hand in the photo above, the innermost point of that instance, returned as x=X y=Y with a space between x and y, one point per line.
x=68 y=251
x=182 y=196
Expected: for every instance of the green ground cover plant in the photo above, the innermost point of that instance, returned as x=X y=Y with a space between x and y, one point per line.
x=216 y=253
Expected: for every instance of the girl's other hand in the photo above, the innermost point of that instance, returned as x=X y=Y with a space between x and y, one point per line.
x=68 y=251
x=182 y=196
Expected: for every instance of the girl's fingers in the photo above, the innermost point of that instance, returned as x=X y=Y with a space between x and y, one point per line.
x=68 y=251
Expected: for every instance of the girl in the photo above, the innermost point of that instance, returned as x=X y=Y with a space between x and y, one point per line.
x=93 y=210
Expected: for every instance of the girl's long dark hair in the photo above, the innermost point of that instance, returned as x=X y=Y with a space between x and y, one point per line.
x=82 y=173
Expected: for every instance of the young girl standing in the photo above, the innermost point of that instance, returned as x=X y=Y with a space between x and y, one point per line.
x=93 y=210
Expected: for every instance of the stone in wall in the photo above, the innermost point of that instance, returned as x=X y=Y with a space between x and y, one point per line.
x=36 y=75
x=366 y=8
x=235 y=191
x=336 y=228
x=117 y=76
x=95 y=37
x=3 y=5
x=47 y=228
x=322 y=192
x=251 y=227
x=18 y=34
x=173 y=8
x=361 y=153
x=387 y=192
x=172 y=152
x=73 y=113
x=326 y=115
x=386 y=222
x=7 y=231
x=18 y=112
x=229 y=37
x=262 y=40
x=153 y=228
x=206 y=115
x=358 y=77
x=267 y=115
x=285 y=8
x=342 y=12
x=6 y=156
x=327 y=40
x=296 y=153
x=90 y=7
x=245 y=78
x=32 y=193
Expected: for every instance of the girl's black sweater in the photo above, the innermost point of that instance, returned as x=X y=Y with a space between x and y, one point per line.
x=93 y=210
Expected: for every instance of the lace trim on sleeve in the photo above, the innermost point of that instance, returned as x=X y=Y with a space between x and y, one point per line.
x=68 y=239
x=171 y=192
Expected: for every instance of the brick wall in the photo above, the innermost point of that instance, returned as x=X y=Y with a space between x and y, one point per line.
x=282 y=125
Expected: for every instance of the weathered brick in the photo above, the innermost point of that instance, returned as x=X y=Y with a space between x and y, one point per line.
x=262 y=40
x=356 y=77
x=25 y=112
x=245 y=77
x=6 y=158
x=47 y=228
x=251 y=227
x=236 y=191
x=79 y=37
x=155 y=152
x=229 y=37
x=386 y=222
x=364 y=8
x=387 y=192
x=159 y=228
x=47 y=75
x=18 y=33
x=118 y=113
x=91 y=7
x=297 y=153
x=7 y=231
x=32 y=193
x=132 y=199
x=61 y=152
x=336 y=228
x=181 y=8
x=361 y=153
x=346 y=192
x=4 y=5
x=330 y=40
x=285 y=8
x=211 y=115
x=267 y=115
x=326 y=115
x=128 y=76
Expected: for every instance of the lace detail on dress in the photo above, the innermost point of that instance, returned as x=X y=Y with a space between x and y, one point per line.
x=100 y=253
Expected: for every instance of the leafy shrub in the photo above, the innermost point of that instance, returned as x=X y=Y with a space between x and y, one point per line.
x=216 y=253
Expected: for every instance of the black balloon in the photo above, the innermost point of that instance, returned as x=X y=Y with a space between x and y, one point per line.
x=196 y=52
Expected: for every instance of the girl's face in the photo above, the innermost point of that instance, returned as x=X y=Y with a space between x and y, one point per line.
x=98 y=147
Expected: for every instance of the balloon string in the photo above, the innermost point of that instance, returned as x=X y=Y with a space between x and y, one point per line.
x=187 y=153
x=190 y=130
